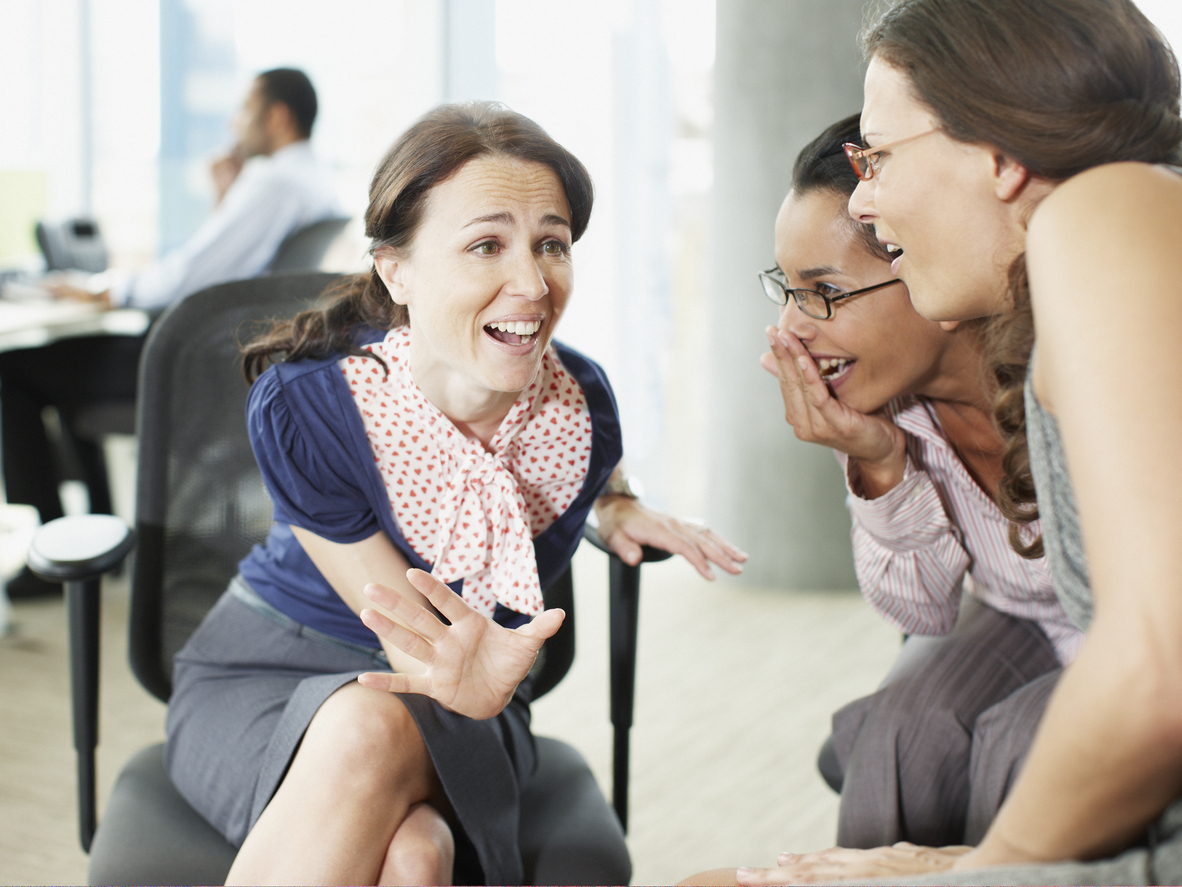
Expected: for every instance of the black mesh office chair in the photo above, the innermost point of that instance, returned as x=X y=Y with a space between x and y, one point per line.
x=305 y=249
x=200 y=505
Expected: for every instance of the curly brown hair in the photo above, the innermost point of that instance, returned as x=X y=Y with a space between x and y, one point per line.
x=1060 y=86
x=430 y=152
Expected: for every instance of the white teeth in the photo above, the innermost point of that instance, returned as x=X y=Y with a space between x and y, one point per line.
x=836 y=365
x=894 y=248
x=519 y=327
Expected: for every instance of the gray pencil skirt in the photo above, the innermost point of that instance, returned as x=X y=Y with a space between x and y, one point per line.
x=249 y=681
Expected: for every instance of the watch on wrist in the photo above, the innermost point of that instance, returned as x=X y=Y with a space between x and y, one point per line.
x=623 y=485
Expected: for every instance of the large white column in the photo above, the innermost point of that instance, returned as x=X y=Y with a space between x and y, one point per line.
x=785 y=69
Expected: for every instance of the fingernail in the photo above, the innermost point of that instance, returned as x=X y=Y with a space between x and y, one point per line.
x=743 y=871
x=802 y=362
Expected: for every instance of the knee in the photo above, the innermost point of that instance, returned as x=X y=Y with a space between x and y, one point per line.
x=370 y=737
x=923 y=698
x=423 y=849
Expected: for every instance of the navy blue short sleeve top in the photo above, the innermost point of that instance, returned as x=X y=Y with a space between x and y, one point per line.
x=318 y=466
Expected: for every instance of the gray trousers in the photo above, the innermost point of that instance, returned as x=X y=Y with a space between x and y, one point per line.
x=930 y=757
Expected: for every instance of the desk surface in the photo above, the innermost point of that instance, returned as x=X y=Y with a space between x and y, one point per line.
x=31 y=323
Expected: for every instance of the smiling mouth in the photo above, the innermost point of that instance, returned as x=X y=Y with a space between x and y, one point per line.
x=830 y=369
x=514 y=332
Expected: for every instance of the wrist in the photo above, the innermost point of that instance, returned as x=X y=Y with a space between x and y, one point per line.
x=622 y=485
x=995 y=850
x=877 y=477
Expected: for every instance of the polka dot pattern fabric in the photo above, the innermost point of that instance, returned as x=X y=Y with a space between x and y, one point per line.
x=472 y=512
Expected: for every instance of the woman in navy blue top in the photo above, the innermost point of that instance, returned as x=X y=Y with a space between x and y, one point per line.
x=422 y=428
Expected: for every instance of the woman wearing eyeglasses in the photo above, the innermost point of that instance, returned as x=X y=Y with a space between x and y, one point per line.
x=906 y=405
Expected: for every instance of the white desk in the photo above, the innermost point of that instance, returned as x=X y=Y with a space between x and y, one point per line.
x=31 y=323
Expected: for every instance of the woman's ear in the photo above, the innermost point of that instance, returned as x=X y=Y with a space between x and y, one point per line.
x=1009 y=176
x=393 y=273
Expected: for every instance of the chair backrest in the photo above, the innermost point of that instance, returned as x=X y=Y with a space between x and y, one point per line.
x=304 y=250
x=200 y=500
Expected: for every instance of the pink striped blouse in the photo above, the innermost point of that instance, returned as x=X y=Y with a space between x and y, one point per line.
x=914 y=546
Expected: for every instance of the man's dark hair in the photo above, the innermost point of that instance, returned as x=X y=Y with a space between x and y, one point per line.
x=294 y=89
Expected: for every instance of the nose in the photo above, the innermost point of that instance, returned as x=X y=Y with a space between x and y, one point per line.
x=795 y=321
x=526 y=278
x=861 y=206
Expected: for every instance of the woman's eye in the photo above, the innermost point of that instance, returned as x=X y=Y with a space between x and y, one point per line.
x=826 y=289
x=555 y=248
x=488 y=248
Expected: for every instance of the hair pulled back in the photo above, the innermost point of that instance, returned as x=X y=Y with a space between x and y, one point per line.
x=1058 y=85
x=430 y=152
x=822 y=165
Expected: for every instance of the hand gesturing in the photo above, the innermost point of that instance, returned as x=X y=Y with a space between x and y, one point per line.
x=473 y=665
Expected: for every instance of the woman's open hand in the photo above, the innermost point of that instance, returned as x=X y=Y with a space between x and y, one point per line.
x=842 y=864
x=473 y=665
x=626 y=525
x=818 y=417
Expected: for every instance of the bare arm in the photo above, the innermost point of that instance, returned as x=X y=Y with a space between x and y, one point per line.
x=1106 y=279
x=349 y=567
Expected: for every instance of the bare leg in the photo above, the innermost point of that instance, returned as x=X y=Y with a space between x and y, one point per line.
x=423 y=850
x=336 y=816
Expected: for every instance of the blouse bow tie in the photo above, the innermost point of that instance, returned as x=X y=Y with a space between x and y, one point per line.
x=473 y=513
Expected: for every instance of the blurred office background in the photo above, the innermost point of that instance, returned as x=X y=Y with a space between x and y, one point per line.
x=688 y=114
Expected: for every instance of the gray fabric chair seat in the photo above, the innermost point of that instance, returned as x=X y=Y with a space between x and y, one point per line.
x=150 y=835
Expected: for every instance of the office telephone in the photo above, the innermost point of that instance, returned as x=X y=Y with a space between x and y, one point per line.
x=73 y=244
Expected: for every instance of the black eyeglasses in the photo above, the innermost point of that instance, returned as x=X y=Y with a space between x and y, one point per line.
x=814 y=304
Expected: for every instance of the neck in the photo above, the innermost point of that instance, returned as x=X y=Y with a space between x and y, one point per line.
x=475 y=410
x=962 y=399
x=960 y=375
x=281 y=140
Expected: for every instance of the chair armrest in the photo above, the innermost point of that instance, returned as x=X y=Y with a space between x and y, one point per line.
x=77 y=551
x=72 y=549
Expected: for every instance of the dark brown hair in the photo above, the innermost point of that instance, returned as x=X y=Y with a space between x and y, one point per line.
x=1060 y=86
x=430 y=152
x=822 y=165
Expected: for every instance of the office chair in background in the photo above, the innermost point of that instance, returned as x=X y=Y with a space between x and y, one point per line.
x=303 y=250
x=200 y=505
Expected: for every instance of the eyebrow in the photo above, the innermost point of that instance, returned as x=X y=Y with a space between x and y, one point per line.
x=506 y=218
x=813 y=273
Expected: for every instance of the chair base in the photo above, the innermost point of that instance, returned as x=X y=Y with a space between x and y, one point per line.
x=150 y=835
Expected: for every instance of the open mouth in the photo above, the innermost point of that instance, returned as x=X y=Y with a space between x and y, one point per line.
x=514 y=332
x=834 y=368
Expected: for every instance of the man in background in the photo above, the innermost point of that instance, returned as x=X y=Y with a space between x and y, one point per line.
x=258 y=205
